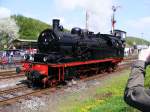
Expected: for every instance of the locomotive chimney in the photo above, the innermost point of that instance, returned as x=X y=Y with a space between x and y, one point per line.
x=56 y=24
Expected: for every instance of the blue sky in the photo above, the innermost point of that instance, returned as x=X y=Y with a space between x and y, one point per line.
x=133 y=16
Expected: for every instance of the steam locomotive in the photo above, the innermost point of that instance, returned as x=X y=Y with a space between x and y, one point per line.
x=63 y=55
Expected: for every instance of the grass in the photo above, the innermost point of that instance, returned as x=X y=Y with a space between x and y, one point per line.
x=106 y=98
x=147 y=77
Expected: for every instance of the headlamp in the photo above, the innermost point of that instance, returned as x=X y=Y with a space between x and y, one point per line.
x=45 y=59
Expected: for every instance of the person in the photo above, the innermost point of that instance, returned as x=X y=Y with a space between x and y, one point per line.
x=4 y=62
x=10 y=60
x=135 y=94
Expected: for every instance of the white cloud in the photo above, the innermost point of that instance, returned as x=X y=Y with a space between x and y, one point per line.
x=139 y=27
x=140 y=23
x=99 y=12
x=4 y=12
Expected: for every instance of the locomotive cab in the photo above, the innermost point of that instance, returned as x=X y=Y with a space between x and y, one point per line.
x=120 y=34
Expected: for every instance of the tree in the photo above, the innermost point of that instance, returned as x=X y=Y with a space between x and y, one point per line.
x=29 y=28
x=8 y=32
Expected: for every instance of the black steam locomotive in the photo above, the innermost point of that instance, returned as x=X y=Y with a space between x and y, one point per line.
x=64 y=54
x=56 y=46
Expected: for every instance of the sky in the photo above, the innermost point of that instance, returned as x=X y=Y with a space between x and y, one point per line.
x=132 y=16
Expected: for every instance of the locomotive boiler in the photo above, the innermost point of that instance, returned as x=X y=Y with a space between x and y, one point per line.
x=63 y=54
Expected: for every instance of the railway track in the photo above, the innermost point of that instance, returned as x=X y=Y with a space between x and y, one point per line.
x=9 y=74
x=13 y=95
x=8 y=71
x=12 y=89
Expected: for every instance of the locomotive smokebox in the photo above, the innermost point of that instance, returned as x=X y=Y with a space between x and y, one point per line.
x=56 y=24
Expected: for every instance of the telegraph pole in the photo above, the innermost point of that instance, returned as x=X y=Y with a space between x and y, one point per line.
x=113 y=21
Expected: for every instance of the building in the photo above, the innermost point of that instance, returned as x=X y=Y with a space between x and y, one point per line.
x=24 y=44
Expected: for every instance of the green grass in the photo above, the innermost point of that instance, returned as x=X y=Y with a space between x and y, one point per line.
x=147 y=77
x=105 y=98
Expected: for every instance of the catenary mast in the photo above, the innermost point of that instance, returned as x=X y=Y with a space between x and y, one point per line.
x=87 y=20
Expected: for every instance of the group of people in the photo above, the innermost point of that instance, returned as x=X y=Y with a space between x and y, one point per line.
x=7 y=60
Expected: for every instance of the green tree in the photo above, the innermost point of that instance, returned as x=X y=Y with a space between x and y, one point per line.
x=29 y=27
x=139 y=41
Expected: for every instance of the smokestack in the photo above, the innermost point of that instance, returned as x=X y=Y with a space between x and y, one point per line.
x=56 y=24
